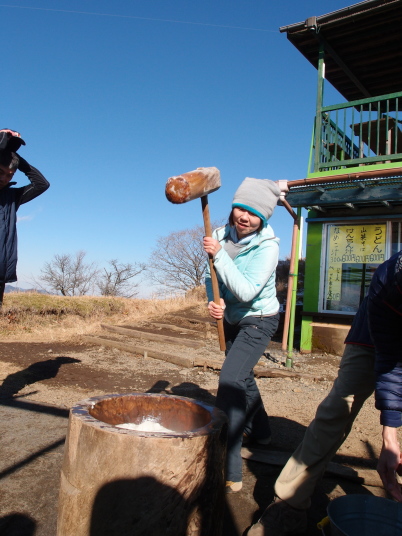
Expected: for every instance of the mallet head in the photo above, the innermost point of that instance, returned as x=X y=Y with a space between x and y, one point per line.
x=192 y=185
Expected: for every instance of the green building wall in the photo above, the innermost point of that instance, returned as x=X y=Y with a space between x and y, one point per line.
x=311 y=283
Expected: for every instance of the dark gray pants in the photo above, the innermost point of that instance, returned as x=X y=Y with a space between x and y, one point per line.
x=2 y=287
x=238 y=395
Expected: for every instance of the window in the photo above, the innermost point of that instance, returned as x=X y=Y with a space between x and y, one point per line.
x=396 y=228
x=354 y=251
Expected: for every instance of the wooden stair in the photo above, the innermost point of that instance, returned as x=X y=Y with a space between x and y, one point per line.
x=134 y=338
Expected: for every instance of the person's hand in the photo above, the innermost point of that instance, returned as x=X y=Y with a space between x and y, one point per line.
x=215 y=310
x=390 y=462
x=12 y=132
x=211 y=246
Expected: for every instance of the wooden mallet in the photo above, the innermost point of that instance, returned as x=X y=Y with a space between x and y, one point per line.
x=189 y=186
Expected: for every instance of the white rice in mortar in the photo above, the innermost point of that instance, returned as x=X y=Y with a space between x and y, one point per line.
x=147 y=425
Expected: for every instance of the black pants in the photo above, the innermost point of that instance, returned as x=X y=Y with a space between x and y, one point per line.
x=2 y=287
x=238 y=395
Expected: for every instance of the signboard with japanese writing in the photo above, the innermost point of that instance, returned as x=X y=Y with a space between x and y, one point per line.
x=352 y=244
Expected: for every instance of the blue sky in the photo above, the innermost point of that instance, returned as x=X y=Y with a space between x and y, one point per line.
x=113 y=98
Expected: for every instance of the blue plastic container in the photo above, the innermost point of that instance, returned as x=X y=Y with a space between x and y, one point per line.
x=365 y=515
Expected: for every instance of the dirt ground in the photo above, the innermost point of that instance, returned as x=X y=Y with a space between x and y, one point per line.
x=41 y=381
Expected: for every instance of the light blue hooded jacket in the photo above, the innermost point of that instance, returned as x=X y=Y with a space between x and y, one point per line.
x=246 y=283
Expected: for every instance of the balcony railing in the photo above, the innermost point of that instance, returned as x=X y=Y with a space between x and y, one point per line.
x=365 y=132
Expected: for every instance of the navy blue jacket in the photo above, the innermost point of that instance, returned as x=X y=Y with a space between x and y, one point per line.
x=359 y=332
x=10 y=201
x=385 y=322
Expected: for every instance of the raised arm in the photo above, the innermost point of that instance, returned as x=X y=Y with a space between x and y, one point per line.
x=38 y=183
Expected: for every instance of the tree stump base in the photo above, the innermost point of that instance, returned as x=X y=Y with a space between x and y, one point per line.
x=120 y=482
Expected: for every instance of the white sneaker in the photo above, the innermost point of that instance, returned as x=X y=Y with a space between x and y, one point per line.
x=233 y=487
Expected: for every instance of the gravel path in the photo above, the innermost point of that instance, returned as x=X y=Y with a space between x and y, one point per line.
x=41 y=381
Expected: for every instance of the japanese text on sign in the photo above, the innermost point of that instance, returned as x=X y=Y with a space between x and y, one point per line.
x=352 y=244
x=356 y=244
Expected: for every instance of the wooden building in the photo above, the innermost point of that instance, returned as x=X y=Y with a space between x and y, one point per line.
x=353 y=190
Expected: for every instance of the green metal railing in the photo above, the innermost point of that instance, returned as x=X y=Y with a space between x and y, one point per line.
x=361 y=132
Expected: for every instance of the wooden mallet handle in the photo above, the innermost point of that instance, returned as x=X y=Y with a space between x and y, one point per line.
x=214 y=279
x=188 y=186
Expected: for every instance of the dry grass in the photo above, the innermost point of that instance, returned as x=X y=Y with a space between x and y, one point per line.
x=38 y=317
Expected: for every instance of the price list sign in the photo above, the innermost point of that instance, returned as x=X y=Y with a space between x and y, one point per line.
x=352 y=244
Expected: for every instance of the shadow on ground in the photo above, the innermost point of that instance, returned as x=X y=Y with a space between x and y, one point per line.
x=17 y=525
x=39 y=371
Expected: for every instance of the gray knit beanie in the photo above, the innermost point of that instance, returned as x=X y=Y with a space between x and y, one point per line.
x=258 y=196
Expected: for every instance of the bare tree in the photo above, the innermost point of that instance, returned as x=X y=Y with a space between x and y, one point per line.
x=117 y=281
x=178 y=262
x=68 y=274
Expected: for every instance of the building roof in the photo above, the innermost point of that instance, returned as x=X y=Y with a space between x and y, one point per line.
x=363 y=47
x=351 y=195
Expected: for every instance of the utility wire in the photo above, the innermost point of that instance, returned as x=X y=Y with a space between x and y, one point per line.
x=140 y=18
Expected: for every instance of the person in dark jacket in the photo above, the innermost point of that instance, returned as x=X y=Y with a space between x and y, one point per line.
x=371 y=361
x=385 y=322
x=287 y=514
x=10 y=201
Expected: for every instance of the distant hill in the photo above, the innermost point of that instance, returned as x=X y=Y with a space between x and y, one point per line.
x=10 y=288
